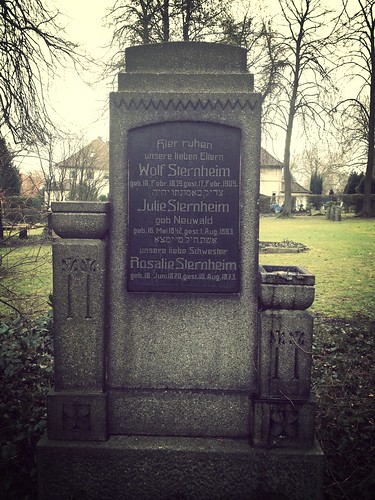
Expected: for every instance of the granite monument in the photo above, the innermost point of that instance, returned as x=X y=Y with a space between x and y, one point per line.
x=182 y=368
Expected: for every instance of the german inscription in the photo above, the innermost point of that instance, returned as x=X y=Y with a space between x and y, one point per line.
x=184 y=180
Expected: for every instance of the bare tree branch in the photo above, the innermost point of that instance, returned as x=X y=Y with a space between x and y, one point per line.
x=31 y=47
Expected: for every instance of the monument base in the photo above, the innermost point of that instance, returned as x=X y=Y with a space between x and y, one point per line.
x=138 y=467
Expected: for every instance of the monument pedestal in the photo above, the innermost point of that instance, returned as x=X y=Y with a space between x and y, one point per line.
x=139 y=467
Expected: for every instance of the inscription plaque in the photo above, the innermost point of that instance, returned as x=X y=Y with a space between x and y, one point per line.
x=184 y=181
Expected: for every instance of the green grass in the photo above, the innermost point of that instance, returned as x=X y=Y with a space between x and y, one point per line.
x=25 y=278
x=341 y=256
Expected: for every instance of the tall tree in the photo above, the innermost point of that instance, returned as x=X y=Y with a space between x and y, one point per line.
x=325 y=159
x=354 y=180
x=305 y=45
x=316 y=183
x=139 y=22
x=54 y=178
x=10 y=181
x=358 y=37
x=31 y=46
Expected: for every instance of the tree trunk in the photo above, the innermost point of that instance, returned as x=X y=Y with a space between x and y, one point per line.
x=1 y=221
x=366 y=212
x=186 y=18
x=287 y=209
x=165 y=18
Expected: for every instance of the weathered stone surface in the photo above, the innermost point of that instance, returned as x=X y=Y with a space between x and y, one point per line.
x=80 y=219
x=283 y=423
x=285 y=275
x=285 y=287
x=180 y=413
x=286 y=296
x=184 y=341
x=197 y=57
x=178 y=82
x=79 y=314
x=169 y=467
x=80 y=206
x=80 y=225
x=181 y=363
x=285 y=354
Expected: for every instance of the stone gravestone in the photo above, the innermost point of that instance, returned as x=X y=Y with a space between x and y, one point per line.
x=182 y=369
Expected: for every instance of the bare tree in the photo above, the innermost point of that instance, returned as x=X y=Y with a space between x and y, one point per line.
x=358 y=37
x=325 y=160
x=201 y=19
x=54 y=178
x=265 y=59
x=305 y=48
x=31 y=46
x=139 y=22
x=352 y=124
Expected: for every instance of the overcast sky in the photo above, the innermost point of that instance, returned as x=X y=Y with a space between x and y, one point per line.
x=78 y=103
x=81 y=108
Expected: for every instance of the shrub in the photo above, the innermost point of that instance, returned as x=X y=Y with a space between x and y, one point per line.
x=343 y=382
x=26 y=371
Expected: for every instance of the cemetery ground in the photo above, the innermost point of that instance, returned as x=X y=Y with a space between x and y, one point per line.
x=340 y=254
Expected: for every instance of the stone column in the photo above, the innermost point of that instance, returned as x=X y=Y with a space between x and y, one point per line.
x=77 y=408
x=284 y=412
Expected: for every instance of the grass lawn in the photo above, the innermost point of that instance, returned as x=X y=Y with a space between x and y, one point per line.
x=341 y=255
x=25 y=277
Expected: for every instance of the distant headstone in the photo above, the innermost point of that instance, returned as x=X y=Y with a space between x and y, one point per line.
x=23 y=234
x=182 y=369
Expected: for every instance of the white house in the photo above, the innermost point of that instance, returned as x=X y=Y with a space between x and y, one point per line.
x=272 y=182
x=271 y=176
x=84 y=175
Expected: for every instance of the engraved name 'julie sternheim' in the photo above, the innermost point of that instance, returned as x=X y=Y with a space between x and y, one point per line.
x=184 y=181
x=180 y=206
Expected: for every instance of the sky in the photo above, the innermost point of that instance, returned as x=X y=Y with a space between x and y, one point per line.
x=79 y=103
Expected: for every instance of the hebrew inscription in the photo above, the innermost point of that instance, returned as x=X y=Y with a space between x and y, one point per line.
x=293 y=340
x=184 y=181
